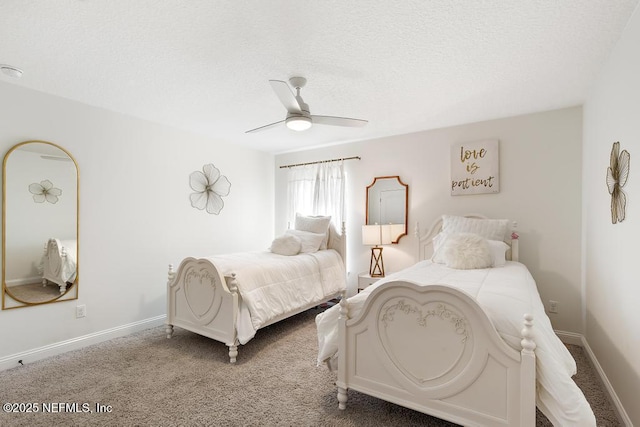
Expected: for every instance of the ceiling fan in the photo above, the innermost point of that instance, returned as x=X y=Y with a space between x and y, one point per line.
x=298 y=116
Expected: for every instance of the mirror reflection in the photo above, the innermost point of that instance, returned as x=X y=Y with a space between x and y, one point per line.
x=39 y=225
x=387 y=203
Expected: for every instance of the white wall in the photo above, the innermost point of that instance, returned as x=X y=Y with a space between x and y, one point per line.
x=540 y=173
x=612 y=270
x=29 y=225
x=135 y=214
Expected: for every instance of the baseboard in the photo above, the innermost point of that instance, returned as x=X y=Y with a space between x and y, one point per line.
x=569 y=337
x=30 y=356
x=579 y=339
x=622 y=414
x=24 y=281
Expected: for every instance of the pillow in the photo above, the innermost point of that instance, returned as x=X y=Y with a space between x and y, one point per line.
x=497 y=248
x=491 y=229
x=287 y=244
x=309 y=242
x=314 y=224
x=466 y=251
x=498 y=252
x=437 y=242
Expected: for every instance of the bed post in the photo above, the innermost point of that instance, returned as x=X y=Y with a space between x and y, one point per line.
x=63 y=287
x=528 y=375
x=515 y=255
x=232 y=284
x=343 y=244
x=342 y=357
x=416 y=232
x=338 y=240
x=44 y=281
x=169 y=329
x=233 y=352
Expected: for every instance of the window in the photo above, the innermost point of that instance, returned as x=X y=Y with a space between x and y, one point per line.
x=317 y=189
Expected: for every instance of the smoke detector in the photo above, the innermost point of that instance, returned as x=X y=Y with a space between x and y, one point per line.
x=10 y=71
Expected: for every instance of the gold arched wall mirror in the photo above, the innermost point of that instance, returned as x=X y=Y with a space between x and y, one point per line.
x=39 y=225
x=387 y=204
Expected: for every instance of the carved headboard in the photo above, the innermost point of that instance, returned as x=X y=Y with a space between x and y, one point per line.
x=425 y=242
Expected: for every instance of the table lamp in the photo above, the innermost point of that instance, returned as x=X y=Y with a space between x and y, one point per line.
x=376 y=235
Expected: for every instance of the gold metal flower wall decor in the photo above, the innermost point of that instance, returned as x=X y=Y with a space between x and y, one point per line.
x=209 y=187
x=45 y=191
x=617 y=174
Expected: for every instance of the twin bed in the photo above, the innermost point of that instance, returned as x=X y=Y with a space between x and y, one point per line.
x=462 y=335
x=230 y=297
x=59 y=263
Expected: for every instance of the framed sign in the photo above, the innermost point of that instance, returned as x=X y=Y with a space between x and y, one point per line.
x=475 y=167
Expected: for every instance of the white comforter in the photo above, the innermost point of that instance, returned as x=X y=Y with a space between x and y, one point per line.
x=57 y=268
x=506 y=294
x=271 y=285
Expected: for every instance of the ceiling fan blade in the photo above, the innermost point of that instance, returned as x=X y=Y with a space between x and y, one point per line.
x=338 y=121
x=285 y=95
x=270 y=125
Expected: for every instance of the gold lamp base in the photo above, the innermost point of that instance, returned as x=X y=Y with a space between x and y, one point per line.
x=376 y=266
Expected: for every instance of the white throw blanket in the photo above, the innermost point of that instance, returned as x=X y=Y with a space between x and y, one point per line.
x=272 y=285
x=506 y=294
x=56 y=267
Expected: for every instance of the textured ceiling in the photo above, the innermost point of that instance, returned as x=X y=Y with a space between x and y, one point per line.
x=406 y=66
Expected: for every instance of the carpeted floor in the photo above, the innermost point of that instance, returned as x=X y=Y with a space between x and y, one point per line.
x=35 y=293
x=146 y=380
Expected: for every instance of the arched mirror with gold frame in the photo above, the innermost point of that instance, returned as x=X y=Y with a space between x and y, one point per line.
x=40 y=189
x=387 y=204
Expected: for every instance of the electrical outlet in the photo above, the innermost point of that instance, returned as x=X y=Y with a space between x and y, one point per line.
x=553 y=306
x=81 y=311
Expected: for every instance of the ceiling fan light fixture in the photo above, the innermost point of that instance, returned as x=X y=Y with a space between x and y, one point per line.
x=298 y=123
x=299 y=117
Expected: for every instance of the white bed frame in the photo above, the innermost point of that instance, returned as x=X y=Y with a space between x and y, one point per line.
x=201 y=300
x=433 y=349
x=53 y=262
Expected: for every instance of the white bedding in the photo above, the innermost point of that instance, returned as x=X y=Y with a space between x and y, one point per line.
x=506 y=294
x=271 y=285
x=56 y=268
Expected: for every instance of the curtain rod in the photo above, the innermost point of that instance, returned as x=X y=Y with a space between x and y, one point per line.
x=320 y=161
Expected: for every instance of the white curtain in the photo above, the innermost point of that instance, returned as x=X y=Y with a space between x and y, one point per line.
x=317 y=189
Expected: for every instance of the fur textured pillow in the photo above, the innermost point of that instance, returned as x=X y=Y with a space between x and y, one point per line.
x=287 y=244
x=465 y=251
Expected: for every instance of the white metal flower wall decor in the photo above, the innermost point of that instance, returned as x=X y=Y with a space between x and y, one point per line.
x=617 y=174
x=209 y=187
x=45 y=191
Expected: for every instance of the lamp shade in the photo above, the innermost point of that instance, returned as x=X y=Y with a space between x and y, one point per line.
x=375 y=235
x=396 y=231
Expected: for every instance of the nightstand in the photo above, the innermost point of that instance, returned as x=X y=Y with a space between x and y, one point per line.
x=365 y=279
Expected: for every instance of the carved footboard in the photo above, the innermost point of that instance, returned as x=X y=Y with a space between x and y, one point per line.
x=200 y=300
x=434 y=350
